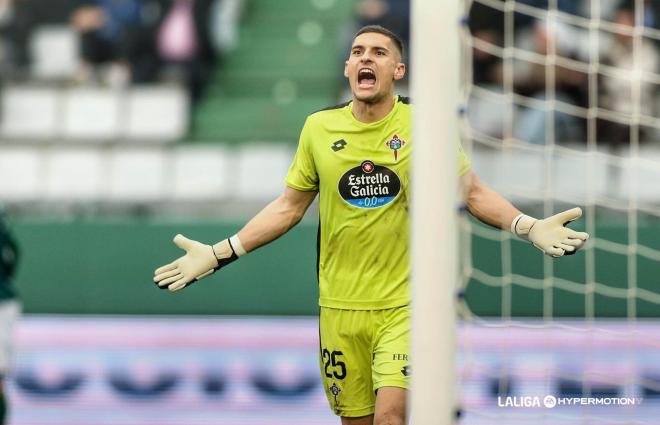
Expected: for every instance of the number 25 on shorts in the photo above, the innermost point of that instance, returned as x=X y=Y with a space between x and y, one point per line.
x=334 y=367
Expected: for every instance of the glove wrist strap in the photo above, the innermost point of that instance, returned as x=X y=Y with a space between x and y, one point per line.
x=225 y=253
x=237 y=246
x=522 y=225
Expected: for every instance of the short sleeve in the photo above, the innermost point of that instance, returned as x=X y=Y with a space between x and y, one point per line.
x=463 y=161
x=302 y=173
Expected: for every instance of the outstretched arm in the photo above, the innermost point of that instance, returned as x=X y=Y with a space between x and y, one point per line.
x=276 y=219
x=201 y=260
x=485 y=204
x=550 y=235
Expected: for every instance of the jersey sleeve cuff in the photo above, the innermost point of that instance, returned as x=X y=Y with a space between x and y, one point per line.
x=302 y=188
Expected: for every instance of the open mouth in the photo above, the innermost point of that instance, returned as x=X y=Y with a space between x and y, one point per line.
x=366 y=78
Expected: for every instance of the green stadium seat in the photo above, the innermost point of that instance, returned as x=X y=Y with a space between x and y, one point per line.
x=253 y=119
x=286 y=65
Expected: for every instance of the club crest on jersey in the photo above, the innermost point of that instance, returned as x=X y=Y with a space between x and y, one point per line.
x=369 y=185
x=395 y=144
x=335 y=390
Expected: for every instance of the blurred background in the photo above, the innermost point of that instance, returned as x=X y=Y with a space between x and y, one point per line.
x=125 y=122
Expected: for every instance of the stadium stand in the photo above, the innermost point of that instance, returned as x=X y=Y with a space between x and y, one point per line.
x=156 y=114
x=283 y=62
x=284 y=67
x=70 y=142
x=20 y=174
x=92 y=114
x=74 y=175
x=29 y=112
x=212 y=185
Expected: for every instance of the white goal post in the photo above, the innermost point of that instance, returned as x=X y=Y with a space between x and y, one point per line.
x=561 y=100
x=435 y=91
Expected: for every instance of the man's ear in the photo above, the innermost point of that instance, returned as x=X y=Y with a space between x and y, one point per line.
x=400 y=71
x=346 y=69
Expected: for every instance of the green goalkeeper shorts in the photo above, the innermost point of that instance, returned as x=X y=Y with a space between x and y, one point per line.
x=362 y=351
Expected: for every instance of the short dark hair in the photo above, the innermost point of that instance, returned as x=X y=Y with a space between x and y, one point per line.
x=384 y=31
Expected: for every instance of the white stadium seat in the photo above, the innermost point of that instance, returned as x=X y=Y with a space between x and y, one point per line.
x=74 y=174
x=261 y=169
x=20 y=174
x=202 y=173
x=30 y=112
x=643 y=173
x=208 y=173
x=137 y=175
x=156 y=113
x=54 y=52
x=92 y=114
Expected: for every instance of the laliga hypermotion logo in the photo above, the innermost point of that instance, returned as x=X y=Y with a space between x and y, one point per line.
x=395 y=144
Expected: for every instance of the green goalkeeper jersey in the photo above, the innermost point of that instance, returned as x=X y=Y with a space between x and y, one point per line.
x=361 y=172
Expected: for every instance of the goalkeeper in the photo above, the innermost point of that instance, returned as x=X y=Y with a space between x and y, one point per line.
x=357 y=157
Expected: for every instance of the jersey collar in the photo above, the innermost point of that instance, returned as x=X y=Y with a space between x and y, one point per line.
x=375 y=123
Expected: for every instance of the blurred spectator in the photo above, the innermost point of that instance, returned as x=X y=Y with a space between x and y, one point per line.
x=651 y=14
x=9 y=307
x=18 y=20
x=183 y=42
x=529 y=78
x=6 y=17
x=531 y=81
x=616 y=93
x=224 y=23
x=486 y=24
x=105 y=28
x=567 y=6
x=14 y=22
x=143 y=41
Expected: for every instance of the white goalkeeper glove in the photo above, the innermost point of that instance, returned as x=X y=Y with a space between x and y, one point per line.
x=200 y=261
x=551 y=235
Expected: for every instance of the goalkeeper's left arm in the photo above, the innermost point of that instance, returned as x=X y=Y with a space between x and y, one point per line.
x=550 y=235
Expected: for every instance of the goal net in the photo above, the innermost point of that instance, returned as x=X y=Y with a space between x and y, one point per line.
x=561 y=110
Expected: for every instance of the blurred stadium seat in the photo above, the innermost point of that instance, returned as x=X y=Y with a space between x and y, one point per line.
x=260 y=170
x=202 y=173
x=156 y=113
x=286 y=67
x=20 y=173
x=646 y=174
x=74 y=174
x=92 y=114
x=30 y=112
x=54 y=52
x=602 y=174
x=137 y=176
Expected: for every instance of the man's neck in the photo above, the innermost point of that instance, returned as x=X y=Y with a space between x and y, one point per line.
x=372 y=112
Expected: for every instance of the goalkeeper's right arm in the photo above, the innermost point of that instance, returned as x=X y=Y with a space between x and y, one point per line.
x=202 y=260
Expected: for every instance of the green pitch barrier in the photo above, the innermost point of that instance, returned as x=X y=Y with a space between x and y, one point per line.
x=106 y=267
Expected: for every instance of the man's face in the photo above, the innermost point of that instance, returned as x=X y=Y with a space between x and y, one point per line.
x=372 y=67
